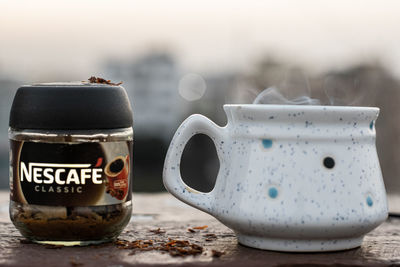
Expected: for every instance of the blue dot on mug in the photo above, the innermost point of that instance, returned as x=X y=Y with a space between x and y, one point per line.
x=371 y=125
x=273 y=192
x=267 y=143
x=369 y=201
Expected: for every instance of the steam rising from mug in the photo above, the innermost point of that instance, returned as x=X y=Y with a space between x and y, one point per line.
x=335 y=89
x=272 y=95
x=294 y=89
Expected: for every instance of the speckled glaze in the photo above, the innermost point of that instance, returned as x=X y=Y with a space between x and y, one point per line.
x=291 y=178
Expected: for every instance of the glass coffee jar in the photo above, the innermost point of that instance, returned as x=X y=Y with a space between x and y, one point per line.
x=70 y=162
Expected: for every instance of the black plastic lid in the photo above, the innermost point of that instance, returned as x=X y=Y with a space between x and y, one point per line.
x=70 y=106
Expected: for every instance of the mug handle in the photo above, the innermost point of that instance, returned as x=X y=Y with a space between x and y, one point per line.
x=195 y=124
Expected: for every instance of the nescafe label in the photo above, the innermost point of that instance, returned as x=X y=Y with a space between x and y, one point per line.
x=70 y=174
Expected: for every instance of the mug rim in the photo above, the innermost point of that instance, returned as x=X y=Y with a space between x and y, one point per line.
x=302 y=107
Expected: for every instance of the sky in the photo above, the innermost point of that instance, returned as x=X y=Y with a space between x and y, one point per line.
x=43 y=38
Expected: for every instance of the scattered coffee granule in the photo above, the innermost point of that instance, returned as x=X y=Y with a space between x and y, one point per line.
x=216 y=253
x=94 y=79
x=200 y=227
x=182 y=248
x=123 y=244
x=175 y=248
x=192 y=230
x=157 y=231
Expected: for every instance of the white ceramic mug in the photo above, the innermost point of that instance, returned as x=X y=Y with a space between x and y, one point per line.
x=291 y=178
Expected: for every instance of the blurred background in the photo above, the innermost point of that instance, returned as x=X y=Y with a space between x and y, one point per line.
x=180 y=57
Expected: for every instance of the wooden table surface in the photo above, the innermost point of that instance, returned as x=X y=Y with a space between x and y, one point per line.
x=152 y=211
